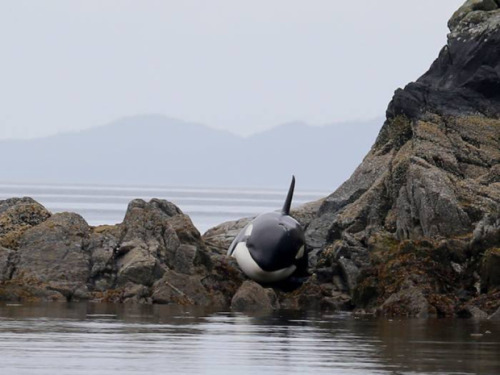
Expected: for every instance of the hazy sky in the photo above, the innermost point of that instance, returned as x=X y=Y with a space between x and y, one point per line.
x=241 y=65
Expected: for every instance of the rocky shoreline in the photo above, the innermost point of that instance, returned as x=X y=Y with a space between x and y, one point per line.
x=415 y=231
x=155 y=255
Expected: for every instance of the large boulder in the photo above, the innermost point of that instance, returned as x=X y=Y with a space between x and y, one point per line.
x=54 y=254
x=179 y=288
x=16 y=216
x=252 y=297
x=156 y=236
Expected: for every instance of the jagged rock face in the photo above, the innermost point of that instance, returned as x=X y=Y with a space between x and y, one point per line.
x=54 y=253
x=434 y=172
x=155 y=235
x=435 y=167
x=465 y=79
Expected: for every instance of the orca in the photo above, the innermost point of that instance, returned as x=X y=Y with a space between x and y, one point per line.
x=272 y=246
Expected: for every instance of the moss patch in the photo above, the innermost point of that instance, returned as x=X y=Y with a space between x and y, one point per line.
x=403 y=266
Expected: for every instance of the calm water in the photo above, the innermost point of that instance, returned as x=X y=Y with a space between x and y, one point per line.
x=207 y=207
x=112 y=339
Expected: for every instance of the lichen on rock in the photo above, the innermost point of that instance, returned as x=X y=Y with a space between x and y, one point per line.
x=16 y=216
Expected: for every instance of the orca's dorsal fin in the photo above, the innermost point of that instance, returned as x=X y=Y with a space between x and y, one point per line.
x=288 y=201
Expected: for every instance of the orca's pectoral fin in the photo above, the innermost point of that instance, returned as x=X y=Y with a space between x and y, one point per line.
x=289 y=197
x=242 y=236
x=230 y=251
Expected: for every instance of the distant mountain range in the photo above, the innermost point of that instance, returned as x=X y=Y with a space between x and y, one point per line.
x=154 y=149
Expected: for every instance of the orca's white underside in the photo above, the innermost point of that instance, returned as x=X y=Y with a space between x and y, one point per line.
x=252 y=269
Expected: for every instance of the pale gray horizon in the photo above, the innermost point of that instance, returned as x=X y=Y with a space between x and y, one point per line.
x=242 y=66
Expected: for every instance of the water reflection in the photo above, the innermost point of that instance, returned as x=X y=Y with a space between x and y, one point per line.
x=136 y=339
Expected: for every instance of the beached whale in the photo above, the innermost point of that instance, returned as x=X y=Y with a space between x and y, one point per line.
x=271 y=247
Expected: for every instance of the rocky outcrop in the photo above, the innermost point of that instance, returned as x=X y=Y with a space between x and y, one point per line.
x=54 y=254
x=252 y=297
x=155 y=256
x=154 y=236
x=417 y=225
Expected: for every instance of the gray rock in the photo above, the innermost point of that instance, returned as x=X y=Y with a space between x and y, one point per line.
x=337 y=302
x=252 y=297
x=307 y=212
x=490 y=269
x=314 y=294
x=177 y=288
x=156 y=235
x=495 y=316
x=427 y=205
x=146 y=227
x=224 y=280
x=473 y=312
x=184 y=259
x=350 y=273
x=53 y=253
x=134 y=293
x=326 y=227
x=313 y=258
x=468 y=7
x=219 y=238
x=6 y=263
x=103 y=245
x=409 y=302
x=139 y=266
x=487 y=232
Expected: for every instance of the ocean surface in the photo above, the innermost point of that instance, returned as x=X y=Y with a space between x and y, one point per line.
x=207 y=207
x=133 y=339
